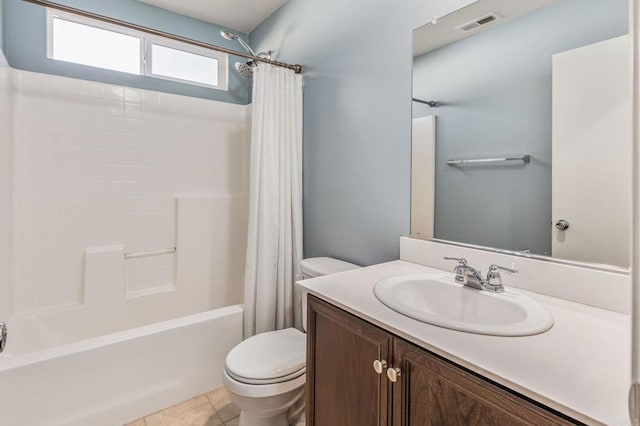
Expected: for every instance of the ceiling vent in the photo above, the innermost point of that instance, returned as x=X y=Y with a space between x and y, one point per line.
x=479 y=22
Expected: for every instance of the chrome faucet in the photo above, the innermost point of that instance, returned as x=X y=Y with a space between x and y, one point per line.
x=471 y=277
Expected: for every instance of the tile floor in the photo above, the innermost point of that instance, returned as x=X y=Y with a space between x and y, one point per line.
x=211 y=409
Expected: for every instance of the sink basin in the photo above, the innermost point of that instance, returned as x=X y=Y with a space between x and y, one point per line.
x=439 y=300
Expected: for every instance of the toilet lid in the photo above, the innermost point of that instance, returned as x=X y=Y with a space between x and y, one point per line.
x=269 y=357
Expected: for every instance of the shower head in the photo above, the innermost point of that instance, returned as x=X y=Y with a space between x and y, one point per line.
x=228 y=35
x=231 y=36
x=245 y=69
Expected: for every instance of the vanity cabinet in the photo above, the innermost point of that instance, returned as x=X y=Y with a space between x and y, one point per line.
x=341 y=389
x=408 y=386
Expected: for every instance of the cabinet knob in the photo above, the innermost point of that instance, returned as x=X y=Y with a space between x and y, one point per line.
x=379 y=365
x=393 y=374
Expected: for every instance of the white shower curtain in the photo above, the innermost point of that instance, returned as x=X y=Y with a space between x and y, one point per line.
x=274 y=247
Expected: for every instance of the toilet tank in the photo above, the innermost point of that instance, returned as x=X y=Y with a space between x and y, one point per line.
x=316 y=267
x=319 y=266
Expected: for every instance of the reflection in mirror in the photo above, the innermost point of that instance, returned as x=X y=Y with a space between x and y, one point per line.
x=522 y=129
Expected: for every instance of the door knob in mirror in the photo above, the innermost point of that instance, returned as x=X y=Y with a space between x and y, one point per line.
x=3 y=336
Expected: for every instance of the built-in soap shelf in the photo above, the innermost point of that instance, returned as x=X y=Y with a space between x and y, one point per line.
x=149 y=253
x=150 y=272
x=113 y=275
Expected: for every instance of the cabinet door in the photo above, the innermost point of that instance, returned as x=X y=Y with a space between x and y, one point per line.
x=431 y=391
x=343 y=389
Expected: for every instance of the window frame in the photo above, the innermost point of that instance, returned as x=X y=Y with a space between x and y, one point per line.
x=146 y=42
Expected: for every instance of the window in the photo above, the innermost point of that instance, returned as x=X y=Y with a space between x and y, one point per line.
x=177 y=64
x=96 y=47
x=84 y=41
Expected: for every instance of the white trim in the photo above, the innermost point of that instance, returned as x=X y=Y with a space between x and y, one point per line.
x=146 y=59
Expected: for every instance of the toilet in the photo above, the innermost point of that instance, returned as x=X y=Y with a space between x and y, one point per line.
x=265 y=374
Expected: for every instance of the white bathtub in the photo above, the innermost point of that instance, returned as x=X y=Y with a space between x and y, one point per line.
x=119 y=377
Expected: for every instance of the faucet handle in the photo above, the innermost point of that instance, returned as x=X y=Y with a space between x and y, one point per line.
x=494 y=268
x=494 y=280
x=461 y=260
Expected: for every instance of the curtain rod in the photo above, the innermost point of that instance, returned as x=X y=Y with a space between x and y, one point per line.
x=45 y=3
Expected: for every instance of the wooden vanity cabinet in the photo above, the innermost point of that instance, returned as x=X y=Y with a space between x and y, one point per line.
x=341 y=389
x=344 y=389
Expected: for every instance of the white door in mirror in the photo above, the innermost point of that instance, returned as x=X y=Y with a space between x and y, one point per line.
x=439 y=300
x=591 y=150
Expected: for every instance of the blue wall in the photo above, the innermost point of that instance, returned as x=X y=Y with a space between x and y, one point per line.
x=503 y=107
x=25 y=30
x=357 y=117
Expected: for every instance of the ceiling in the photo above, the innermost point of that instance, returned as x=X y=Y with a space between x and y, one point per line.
x=430 y=37
x=238 y=15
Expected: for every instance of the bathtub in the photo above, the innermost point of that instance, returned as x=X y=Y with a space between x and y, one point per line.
x=119 y=377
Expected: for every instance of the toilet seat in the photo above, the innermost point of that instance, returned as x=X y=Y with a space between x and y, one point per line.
x=261 y=391
x=268 y=358
x=251 y=381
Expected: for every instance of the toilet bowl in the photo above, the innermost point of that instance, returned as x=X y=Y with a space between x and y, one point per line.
x=265 y=374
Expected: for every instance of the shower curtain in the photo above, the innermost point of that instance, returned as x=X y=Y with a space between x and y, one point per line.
x=274 y=247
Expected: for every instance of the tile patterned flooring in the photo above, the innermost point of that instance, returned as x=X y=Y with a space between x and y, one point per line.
x=211 y=409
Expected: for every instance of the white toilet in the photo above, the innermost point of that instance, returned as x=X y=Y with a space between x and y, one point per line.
x=265 y=374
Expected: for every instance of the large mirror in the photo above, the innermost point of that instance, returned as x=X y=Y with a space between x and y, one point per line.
x=522 y=129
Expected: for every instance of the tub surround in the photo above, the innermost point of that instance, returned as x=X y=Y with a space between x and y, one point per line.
x=99 y=171
x=580 y=367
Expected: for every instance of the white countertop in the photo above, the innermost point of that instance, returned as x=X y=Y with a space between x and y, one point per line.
x=581 y=367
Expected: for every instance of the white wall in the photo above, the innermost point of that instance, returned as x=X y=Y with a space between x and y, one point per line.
x=102 y=170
